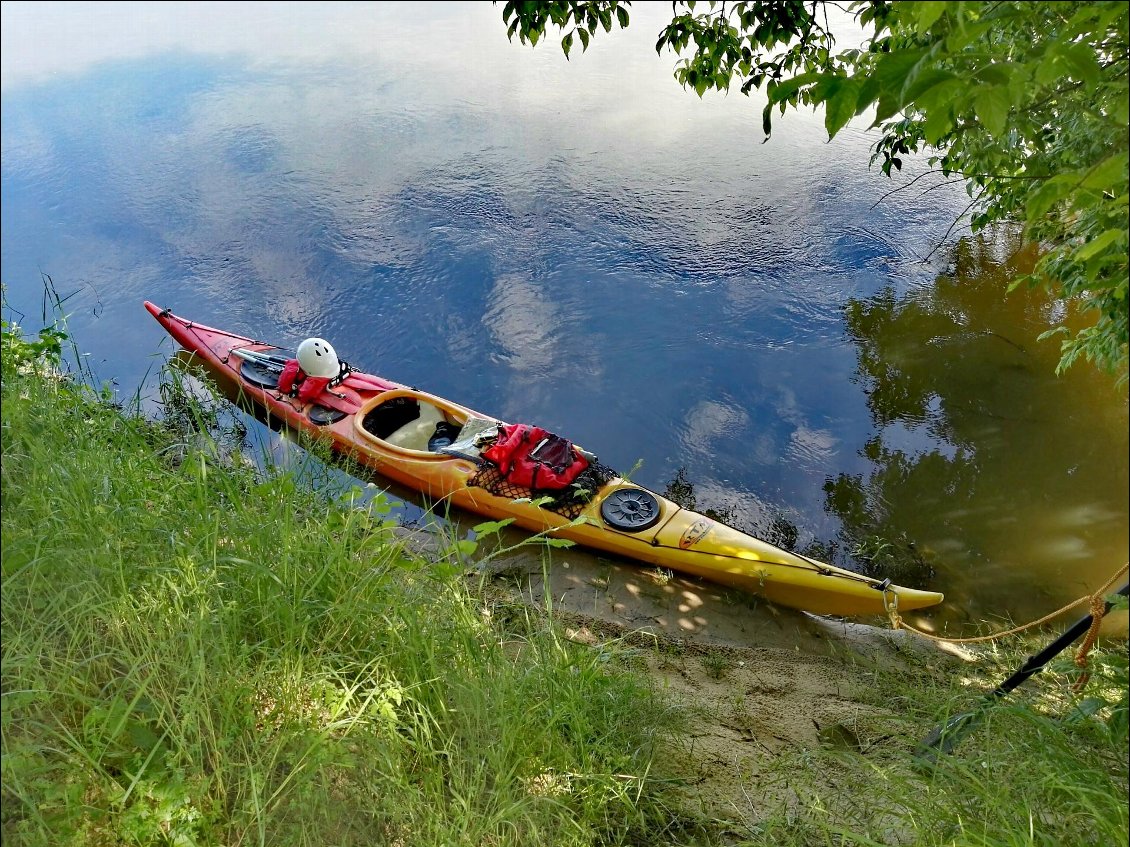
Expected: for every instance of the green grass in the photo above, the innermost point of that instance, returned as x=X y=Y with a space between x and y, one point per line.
x=197 y=653
x=200 y=652
x=1024 y=778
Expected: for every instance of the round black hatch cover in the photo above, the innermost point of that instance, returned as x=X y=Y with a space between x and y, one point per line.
x=259 y=375
x=263 y=368
x=630 y=509
x=322 y=415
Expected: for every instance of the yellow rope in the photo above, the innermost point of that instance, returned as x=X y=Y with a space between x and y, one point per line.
x=1096 y=600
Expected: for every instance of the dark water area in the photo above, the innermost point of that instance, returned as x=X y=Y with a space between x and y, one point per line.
x=580 y=244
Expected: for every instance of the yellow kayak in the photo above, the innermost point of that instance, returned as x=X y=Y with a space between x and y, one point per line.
x=391 y=429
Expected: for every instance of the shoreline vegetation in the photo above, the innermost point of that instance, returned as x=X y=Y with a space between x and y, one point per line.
x=201 y=651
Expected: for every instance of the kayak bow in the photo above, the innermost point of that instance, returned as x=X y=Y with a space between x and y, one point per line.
x=388 y=426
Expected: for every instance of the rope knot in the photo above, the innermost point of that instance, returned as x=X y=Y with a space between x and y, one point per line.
x=891 y=604
x=1098 y=609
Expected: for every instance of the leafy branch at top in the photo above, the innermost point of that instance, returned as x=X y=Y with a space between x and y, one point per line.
x=581 y=19
x=1027 y=101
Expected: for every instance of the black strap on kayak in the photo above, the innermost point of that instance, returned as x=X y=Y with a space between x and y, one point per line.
x=344 y=369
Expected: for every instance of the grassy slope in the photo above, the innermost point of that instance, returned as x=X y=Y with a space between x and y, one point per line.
x=192 y=652
x=195 y=655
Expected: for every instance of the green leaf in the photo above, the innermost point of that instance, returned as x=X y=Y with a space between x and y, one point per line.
x=622 y=17
x=1050 y=193
x=991 y=106
x=941 y=96
x=1084 y=15
x=1086 y=708
x=585 y=36
x=925 y=82
x=1080 y=61
x=492 y=527
x=1108 y=173
x=998 y=73
x=466 y=546
x=839 y=107
x=886 y=108
x=963 y=36
x=1099 y=243
x=1050 y=67
x=567 y=44
x=1052 y=333
x=895 y=71
x=783 y=90
x=558 y=542
x=928 y=14
x=1120 y=108
x=868 y=92
x=938 y=124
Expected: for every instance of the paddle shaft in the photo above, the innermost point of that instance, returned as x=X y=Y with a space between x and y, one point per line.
x=264 y=360
x=946 y=737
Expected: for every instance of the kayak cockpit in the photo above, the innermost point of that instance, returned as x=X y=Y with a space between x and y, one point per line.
x=415 y=422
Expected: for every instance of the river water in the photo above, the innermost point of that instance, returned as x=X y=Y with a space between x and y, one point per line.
x=576 y=243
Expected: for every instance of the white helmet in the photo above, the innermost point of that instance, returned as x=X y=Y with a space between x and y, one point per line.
x=316 y=356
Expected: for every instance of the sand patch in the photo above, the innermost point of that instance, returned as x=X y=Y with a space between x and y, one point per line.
x=760 y=684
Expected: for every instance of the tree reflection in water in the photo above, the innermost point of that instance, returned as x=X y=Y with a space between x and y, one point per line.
x=990 y=477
